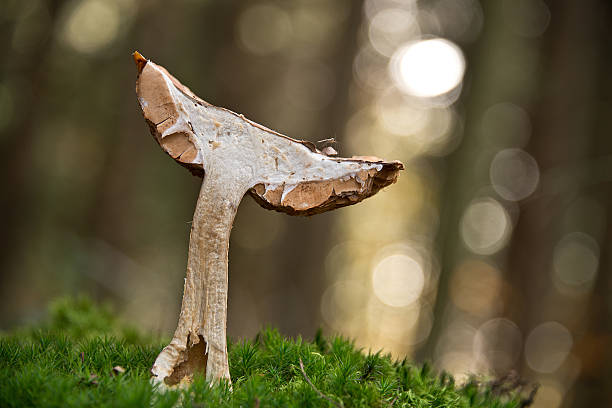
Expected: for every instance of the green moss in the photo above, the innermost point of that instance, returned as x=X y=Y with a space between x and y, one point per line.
x=69 y=361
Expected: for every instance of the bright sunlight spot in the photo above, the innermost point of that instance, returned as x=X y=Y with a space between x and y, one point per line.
x=428 y=68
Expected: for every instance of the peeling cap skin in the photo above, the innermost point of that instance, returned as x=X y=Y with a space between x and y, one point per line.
x=279 y=172
x=235 y=156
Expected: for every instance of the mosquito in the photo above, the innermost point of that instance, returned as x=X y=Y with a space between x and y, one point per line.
x=330 y=141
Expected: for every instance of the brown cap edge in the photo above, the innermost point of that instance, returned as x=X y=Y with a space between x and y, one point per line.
x=139 y=60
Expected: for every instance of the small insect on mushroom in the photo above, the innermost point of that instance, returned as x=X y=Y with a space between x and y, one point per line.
x=331 y=140
x=235 y=156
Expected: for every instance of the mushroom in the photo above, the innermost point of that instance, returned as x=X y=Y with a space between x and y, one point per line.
x=234 y=156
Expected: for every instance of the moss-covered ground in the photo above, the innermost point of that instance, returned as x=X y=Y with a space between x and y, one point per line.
x=81 y=356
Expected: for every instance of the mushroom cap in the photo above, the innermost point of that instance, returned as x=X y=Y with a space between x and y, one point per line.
x=280 y=173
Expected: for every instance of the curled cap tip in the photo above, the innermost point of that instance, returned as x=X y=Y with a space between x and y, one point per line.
x=139 y=60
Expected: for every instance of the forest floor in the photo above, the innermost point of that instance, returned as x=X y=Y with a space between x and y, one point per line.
x=82 y=356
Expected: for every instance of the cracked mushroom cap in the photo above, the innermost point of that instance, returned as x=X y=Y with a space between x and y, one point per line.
x=280 y=173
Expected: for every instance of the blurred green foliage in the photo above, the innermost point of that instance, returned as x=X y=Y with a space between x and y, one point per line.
x=79 y=317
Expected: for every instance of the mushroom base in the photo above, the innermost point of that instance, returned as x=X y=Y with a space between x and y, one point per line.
x=193 y=361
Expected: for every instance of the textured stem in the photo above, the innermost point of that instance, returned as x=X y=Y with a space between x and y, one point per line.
x=199 y=342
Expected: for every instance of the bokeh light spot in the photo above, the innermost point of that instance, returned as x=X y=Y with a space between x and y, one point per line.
x=370 y=69
x=485 y=226
x=550 y=395
x=499 y=342
x=391 y=27
x=398 y=280
x=547 y=347
x=428 y=68
x=92 y=25
x=264 y=29
x=514 y=174
x=576 y=260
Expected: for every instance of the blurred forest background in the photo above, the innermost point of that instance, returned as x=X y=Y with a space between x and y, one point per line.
x=492 y=253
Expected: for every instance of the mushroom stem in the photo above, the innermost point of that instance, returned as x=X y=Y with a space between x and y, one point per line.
x=199 y=344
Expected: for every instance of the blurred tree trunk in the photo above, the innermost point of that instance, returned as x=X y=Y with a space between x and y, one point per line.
x=571 y=135
x=27 y=67
x=465 y=176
